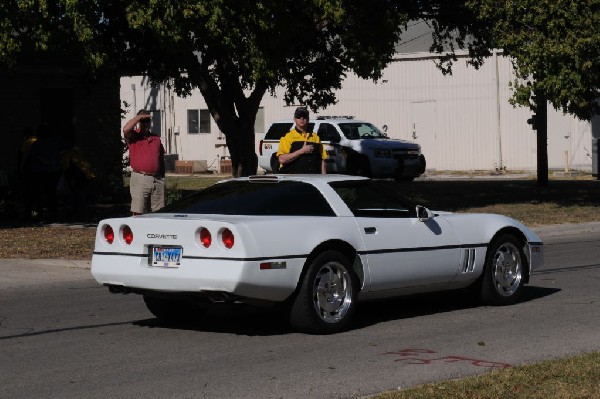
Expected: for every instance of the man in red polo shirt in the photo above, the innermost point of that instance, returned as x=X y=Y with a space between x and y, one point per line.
x=147 y=159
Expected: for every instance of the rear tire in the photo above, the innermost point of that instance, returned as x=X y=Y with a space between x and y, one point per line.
x=173 y=310
x=505 y=267
x=326 y=300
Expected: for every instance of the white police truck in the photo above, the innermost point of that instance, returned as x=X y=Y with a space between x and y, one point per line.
x=354 y=147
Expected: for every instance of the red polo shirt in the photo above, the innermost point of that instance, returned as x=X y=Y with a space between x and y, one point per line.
x=146 y=154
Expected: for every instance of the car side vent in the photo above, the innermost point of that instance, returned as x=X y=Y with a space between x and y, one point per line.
x=468 y=261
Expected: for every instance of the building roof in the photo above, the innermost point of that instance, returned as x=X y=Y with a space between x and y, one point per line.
x=418 y=38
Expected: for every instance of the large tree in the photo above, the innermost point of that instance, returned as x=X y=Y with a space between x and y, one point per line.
x=237 y=51
x=555 y=49
x=554 y=46
x=232 y=51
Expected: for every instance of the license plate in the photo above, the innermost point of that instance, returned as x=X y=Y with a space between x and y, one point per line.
x=166 y=256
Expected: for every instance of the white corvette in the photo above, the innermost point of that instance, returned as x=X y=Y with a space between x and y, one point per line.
x=314 y=243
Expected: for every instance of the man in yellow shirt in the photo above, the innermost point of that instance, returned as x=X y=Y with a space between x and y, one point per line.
x=300 y=151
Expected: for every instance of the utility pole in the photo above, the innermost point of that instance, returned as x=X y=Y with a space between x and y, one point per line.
x=539 y=123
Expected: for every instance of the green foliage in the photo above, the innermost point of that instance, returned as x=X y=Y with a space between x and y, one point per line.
x=572 y=377
x=236 y=51
x=20 y=26
x=233 y=51
x=228 y=47
x=172 y=195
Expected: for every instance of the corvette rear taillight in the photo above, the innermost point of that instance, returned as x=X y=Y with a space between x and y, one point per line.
x=205 y=237
x=109 y=234
x=228 y=239
x=127 y=234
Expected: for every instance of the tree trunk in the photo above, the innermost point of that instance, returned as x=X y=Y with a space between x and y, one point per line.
x=240 y=143
x=542 y=140
x=235 y=115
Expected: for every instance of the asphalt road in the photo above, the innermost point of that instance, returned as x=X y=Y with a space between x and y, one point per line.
x=63 y=336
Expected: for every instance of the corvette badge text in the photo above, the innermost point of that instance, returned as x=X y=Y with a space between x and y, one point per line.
x=162 y=236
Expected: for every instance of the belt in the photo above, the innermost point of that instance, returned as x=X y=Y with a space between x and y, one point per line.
x=146 y=174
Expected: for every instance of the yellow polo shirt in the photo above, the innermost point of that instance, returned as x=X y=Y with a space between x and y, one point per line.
x=285 y=143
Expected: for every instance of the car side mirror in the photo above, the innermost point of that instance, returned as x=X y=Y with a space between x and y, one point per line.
x=423 y=213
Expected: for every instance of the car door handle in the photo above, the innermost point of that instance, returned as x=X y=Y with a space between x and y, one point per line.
x=370 y=230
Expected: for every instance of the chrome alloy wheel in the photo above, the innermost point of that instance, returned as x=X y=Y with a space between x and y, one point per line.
x=507 y=269
x=332 y=292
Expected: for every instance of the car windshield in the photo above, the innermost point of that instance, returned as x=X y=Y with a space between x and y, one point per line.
x=368 y=198
x=361 y=130
x=284 y=198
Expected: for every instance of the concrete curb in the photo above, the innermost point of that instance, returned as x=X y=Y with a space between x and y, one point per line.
x=566 y=229
x=72 y=263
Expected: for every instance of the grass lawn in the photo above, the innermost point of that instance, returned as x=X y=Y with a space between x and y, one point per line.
x=575 y=377
x=563 y=201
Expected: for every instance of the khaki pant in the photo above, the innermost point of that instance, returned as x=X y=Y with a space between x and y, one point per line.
x=147 y=193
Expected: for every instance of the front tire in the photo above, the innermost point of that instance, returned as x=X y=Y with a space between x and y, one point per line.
x=326 y=300
x=358 y=165
x=505 y=268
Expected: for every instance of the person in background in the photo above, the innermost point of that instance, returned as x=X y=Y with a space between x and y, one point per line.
x=46 y=154
x=147 y=159
x=301 y=151
x=77 y=174
x=26 y=185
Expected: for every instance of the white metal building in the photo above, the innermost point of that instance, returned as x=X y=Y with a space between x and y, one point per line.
x=463 y=121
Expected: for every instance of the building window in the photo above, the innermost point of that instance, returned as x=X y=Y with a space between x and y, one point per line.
x=204 y=121
x=192 y=120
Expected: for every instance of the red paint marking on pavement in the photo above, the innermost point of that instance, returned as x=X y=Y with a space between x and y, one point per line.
x=420 y=356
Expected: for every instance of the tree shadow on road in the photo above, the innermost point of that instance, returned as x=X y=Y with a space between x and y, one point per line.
x=238 y=319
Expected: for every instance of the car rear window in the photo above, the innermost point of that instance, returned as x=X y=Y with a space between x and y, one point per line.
x=285 y=198
x=278 y=130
